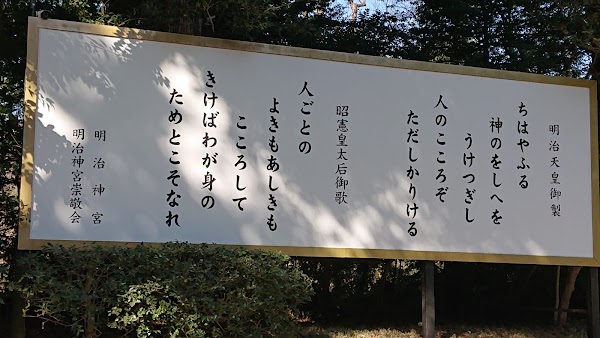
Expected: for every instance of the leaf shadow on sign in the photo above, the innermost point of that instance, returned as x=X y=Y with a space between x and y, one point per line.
x=76 y=80
x=123 y=85
x=102 y=83
x=304 y=214
x=86 y=83
x=306 y=195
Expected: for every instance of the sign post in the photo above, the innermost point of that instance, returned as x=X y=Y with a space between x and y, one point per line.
x=593 y=311
x=428 y=299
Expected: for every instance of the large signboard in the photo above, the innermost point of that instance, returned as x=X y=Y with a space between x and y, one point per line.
x=137 y=136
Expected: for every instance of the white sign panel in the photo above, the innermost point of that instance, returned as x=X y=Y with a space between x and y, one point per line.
x=143 y=140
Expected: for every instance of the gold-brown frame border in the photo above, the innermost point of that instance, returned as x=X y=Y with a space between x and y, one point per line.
x=30 y=109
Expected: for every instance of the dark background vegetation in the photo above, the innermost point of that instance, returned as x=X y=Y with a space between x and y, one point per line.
x=544 y=37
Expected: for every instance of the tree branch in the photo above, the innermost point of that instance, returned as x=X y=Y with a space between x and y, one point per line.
x=354 y=7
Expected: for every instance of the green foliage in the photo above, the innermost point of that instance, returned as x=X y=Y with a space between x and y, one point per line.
x=74 y=288
x=250 y=294
x=3 y=282
x=377 y=34
x=583 y=27
x=345 y=287
x=176 y=290
x=153 y=309
x=10 y=156
x=521 y=35
x=12 y=70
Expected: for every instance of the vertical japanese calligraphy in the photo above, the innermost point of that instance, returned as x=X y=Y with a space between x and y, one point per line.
x=175 y=118
x=272 y=164
x=209 y=121
x=523 y=144
x=98 y=187
x=469 y=178
x=341 y=181
x=77 y=162
x=307 y=102
x=496 y=144
x=440 y=122
x=555 y=190
x=240 y=164
x=411 y=172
